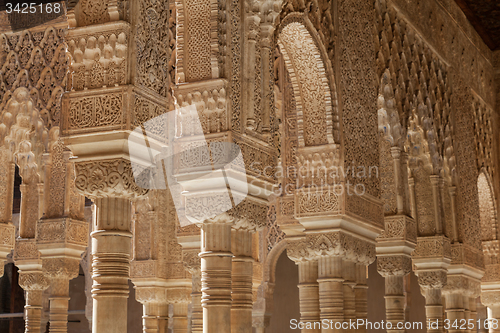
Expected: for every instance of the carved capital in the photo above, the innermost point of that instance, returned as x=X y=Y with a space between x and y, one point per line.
x=179 y=295
x=463 y=285
x=150 y=294
x=490 y=298
x=432 y=279
x=298 y=250
x=341 y=244
x=191 y=260
x=33 y=281
x=61 y=267
x=107 y=178
x=249 y=215
x=397 y=265
x=209 y=207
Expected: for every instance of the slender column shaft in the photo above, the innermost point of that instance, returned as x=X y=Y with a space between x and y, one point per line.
x=163 y=318
x=455 y=312
x=266 y=61
x=349 y=273
x=394 y=302
x=249 y=77
x=33 y=311
x=216 y=264
x=59 y=299
x=396 y=155
x=150 y=317
x=331 y=293
x=435 y=196
x=241 y=310
x=180 y=318
x=473 y=314
x=434 y=310
x=465 y=300
x=361 y=295
x=413 y=202
x=309 y=294
x=494 y=317
x=111 y=245
x=197 y=310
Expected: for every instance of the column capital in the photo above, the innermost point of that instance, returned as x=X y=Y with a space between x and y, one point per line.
x=150 y=294
x=435 y=279
x=191 y=261
x=298 y=250
x=67 y=268
x=395 y=152
x=340 y=243
x=33 y=281
x=394 y=265
x=490 y=298
x=463 y=285
x=107 y=178
x=250 y=215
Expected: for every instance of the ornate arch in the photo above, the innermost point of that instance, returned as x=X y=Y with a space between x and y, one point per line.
x=317 y=117
x=487 y=209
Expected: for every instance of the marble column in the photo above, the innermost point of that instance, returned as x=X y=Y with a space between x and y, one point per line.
x=455 y=311
x=242 y=265
x=394 y=268
x=433 y=309
x=309 y=294
x=192 y=265
x=216 y=266
x=153 y=297
x=111 y=249
x=33 y=283
x=197 y=309
x=349 y=274
x=361 y=295
x=180 y=317
x=331 y=293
